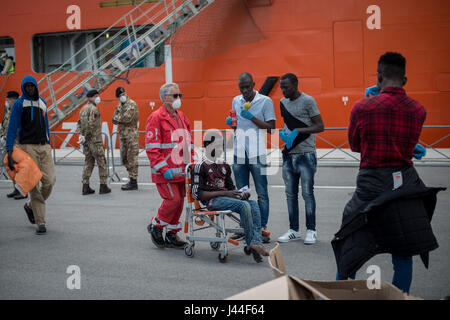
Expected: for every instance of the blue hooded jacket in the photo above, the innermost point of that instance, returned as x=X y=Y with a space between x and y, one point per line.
x=28 y=119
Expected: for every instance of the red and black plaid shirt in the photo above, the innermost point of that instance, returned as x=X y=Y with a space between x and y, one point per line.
x=385 y=128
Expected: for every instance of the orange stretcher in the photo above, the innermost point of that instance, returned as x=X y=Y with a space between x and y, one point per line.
x=26 y=174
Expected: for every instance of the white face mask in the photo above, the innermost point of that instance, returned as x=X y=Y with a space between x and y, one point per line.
x=97 y=100
x=6 y=104
x=176 y=104
x=123 y=99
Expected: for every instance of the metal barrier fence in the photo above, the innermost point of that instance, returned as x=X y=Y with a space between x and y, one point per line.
x=57 y=134
x=429 y=146
x=114 y=174
x=111 y=157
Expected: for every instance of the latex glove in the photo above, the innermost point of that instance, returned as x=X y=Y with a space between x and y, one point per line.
x=246 y=114
x=228 y=121
x=81 y=139
x=168 y=174
x=419 y=152
x=283 y=135
x=372 y=91
x=11 y=161
x=289 y=138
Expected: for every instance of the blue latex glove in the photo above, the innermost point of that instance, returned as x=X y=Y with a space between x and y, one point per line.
x=168 y=174
x=288 y=138
x=419 y=152
x=372 y=91
x=283 y=135
x=228 y=121
x=246 y=114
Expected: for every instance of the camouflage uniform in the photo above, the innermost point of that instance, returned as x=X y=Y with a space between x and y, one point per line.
x=3 y=132
x=5 y=122
x=126 y=116
x=90 y=126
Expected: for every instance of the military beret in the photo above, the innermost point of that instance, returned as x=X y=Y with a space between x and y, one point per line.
x=91 y=93
x=119 y=91
x=12 y=94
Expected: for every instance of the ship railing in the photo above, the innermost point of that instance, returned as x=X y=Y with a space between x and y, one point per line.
x=74 y=155
x=324 y=154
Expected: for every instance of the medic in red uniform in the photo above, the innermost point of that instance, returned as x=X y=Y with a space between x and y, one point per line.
x=169 y=146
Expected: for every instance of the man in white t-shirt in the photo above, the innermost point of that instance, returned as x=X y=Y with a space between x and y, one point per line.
x=250 y=141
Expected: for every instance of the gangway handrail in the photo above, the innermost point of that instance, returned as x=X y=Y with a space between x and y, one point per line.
x=92 y=41
x=137 y=47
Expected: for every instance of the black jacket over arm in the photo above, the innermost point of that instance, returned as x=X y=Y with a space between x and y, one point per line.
x=380 y=220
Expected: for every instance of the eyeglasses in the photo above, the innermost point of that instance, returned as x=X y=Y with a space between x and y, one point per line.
x=175 y=95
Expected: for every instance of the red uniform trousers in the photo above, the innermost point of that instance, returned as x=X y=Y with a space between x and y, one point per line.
x=169 y=212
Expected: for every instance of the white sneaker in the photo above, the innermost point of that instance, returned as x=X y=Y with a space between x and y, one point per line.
x=310 y=237
x=291 y=235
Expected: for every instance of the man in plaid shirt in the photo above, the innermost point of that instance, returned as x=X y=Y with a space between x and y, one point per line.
x=385 y=130
x=386 y=127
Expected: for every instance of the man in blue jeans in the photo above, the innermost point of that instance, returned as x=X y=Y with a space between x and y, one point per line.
x=385 y=130
x=213 y=186
x=301 y=120
x=255 y=117
x=403 y=271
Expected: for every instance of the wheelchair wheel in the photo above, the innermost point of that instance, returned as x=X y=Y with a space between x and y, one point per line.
x=222 y=257
x=189 y=250
x=215 y=245
x=247 y=250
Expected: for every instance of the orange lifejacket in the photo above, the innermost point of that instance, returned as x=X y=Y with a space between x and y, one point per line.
x=26 y=174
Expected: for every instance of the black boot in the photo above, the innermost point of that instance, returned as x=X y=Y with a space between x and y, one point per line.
x=157 y=236
x=104 y=189
x=172 y=241
x=20 y=197
x=41 y=229
x=87 y=189
x=131 y=185
x=29 y=212
x=13 y=194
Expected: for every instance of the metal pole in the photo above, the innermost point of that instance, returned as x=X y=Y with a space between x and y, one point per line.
x=54 y=151
x=168 y=62
x=224 y=135
x=114 y=173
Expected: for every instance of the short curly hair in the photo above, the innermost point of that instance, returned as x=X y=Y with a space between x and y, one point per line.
x=291 y=77
x=392 y=65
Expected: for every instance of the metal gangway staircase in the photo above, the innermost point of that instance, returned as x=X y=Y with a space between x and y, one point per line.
x=141 y=31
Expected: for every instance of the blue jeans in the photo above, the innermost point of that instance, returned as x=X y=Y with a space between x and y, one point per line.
x=302 y=167
x=242 y=177
x=249 y=215
x=403 y=268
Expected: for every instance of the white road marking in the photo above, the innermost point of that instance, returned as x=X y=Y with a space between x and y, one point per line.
x=322 y=187
x=139 y=183
x=272 y=186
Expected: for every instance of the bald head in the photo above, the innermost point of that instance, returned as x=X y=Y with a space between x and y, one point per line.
x=246 y=85
x=245 y=76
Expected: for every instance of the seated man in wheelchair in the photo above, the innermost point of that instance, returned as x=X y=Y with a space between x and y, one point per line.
x=213 y=186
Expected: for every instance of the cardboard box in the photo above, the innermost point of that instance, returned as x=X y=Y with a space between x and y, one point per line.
x=287 y=287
